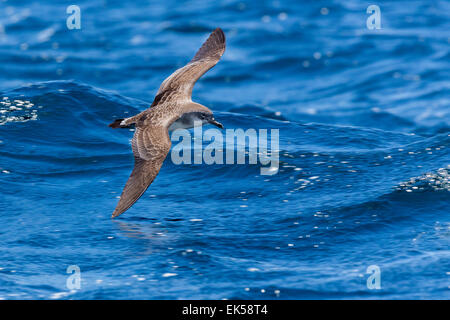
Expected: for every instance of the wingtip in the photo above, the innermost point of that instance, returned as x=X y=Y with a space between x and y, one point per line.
x=115 y=214
x=220 y=32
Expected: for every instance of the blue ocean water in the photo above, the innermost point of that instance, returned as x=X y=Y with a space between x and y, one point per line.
x=364 y=120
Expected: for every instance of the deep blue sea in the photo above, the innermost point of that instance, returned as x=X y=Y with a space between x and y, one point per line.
x=364 y=128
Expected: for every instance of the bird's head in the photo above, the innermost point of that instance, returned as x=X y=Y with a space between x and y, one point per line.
x=208 y=117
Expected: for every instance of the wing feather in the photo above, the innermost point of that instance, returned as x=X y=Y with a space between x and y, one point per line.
x=183 y=79
x=149 y=154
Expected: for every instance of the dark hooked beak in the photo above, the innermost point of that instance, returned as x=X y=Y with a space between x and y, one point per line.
x=217 y=124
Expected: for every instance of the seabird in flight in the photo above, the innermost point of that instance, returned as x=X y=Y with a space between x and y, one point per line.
x=172 y=108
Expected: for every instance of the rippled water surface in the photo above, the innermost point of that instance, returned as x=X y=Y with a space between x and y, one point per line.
x=364 y=120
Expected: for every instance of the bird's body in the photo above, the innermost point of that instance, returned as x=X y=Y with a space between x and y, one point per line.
x=171 y=109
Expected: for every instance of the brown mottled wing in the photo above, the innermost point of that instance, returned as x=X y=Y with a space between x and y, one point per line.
x=182 y=81
x=150 y=147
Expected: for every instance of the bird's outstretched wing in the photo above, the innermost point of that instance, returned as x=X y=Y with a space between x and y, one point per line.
x=182 y=81
x=150 y=147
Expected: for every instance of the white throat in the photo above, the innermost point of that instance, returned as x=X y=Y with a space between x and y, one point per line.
x=187 y=121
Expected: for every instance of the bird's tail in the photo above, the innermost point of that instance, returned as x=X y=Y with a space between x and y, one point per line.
x=118 y=124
